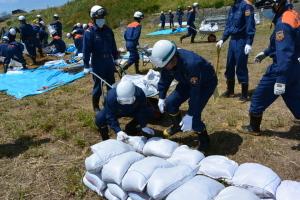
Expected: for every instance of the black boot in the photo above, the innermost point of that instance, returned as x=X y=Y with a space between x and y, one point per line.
x=132 y=127
x=174 y=128
x=193 y=38
x=136 y=65
x=95 y=102
x=230 y=89
x=104 y=133
x=244 y=95
x=182 y=37
x=254 y=126
x=203 y=140
x=5 y=68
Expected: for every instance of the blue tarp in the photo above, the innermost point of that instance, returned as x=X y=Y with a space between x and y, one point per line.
x=168 y=31
x=32 y=82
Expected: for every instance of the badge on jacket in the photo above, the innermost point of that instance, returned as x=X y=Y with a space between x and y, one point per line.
x=194 y=80
x=247 y=13
x=279 y=35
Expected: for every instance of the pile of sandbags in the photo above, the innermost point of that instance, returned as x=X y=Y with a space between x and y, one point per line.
x=137 y=169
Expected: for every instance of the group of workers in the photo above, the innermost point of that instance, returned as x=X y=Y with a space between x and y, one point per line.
x=195 y=75
x=170 y=15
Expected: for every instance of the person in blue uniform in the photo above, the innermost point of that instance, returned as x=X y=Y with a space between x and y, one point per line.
x=28 y=37
x=57 y=25
x=162 y=20
x=99 y=41
x=282 y=77
x=179 y=14
x=36 y=28
x=58 y=44
x=126 y=100
x=191 y=16
x=43 y=34
x=240 y=27
x=171 y=19
x=12 y=49
x=77 y=35
x=132 y=36
x=196 y=82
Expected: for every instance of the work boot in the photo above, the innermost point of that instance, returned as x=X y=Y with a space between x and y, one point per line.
x=136 y=65
x=95 y=102
x=203 y=141
x=254 y=127
x=230 y=89
x=132 y=127
x=5 y=68
x=182 y=37
x=104 y=133
x=193 y=38
x=244 y=95
x=174 y=128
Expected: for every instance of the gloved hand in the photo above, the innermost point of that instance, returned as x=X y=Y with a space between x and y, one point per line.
x=279 y=88
x=148 y=130
x=299 y=59
x=187 y=26
x=219 y=44
x=259 y=57
x=186 y=123
x=161 y=105
x=247 y=49
x=87 y=70
x=122 y=136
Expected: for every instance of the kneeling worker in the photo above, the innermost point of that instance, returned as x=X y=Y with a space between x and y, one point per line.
x=196 y=81
x=126 y=100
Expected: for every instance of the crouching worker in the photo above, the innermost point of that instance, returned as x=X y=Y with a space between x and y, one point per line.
x=126 y=100
x=58 y=44
x=196 y=81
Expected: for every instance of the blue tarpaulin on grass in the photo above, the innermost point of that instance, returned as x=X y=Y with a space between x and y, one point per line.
x=168 y=31
x=32 y=82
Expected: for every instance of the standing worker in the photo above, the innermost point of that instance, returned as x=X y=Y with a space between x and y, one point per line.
x=191 y=16
x=39 y=18
x=179 y=14
x=241 y=29
x=126 y=100
x=162 y=20
x=197 y=81
x=28 y=37
x=282 y=77
x=132 y=36
x=99 y=41
x=171 y=19
x=57 y=25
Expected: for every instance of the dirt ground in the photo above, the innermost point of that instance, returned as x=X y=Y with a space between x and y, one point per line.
x=45 y=139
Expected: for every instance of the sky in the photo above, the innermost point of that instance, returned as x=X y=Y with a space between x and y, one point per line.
x=9 y=5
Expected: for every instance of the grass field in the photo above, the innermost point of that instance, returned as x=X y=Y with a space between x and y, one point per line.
x=45 y=139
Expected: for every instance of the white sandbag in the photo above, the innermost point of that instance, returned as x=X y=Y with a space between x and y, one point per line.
x=159 y=147
x=232 y=193
x=93 y=164
x=138 y=196
x=108 y=149
x=114 y=170
x=198 y=188
x=165 y=180
x=288 y=190
x=116 y=191
x=218 y=167
x=137 y=142
x=183 y=155
x=94 y=182
x=108 y=195
x=257 y=178
x=138 y=174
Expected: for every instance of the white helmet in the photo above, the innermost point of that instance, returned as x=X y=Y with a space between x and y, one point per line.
x=78 y=25
x=55 y=15
x=5 y=38
x=38 y=16
x=74 y=31
x=12 y=31
x=162 y=52
x=195 y=4
x=42 y=23
x=97 y=11
x=21 y=18
x=170 y=11
x=125 y=92
x=138 y=14
x=84 y=26
x=69 y=35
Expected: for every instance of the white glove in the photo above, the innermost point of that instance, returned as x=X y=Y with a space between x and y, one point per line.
x=161 y=105
x=122 y=136
x=259 y=57
x=299 y=59
x=279 y=88
x=87 y=70
x=148 y=130
x=187 y=26
x=186 y=123
x=219 y=44
x=248 y=49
